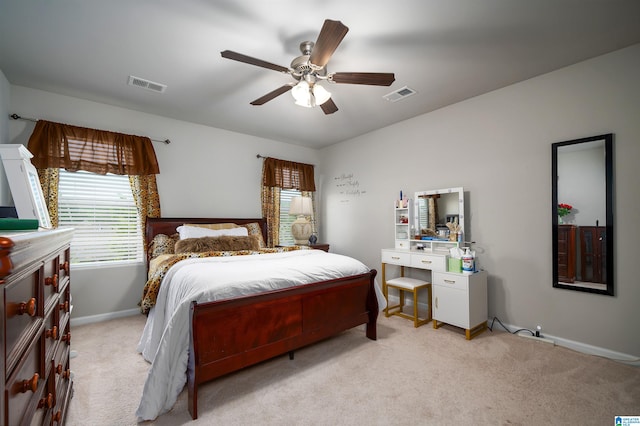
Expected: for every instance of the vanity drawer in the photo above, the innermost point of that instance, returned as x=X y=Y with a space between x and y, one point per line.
x=403 y=244
x=396 y=258
x=449 y=280
x=22 y=313
x=429 y=261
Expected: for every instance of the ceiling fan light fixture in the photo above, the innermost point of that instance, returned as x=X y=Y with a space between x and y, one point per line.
x=309 y=97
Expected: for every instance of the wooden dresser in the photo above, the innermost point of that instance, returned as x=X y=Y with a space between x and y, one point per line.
x=567 y=253
x=35 y=333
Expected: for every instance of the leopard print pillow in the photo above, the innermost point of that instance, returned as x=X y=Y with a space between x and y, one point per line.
x=163 y=244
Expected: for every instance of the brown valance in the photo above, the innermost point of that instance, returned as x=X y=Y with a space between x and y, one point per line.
x=62 y=146
x=288 y=175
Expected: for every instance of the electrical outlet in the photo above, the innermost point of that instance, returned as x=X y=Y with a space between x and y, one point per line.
x=538 y=339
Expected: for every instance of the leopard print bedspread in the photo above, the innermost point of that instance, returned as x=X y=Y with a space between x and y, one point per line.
x=158 y=272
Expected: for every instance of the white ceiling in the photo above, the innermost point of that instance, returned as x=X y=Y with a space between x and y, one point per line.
x=446 y=50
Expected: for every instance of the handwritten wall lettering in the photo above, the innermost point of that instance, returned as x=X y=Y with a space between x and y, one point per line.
x=348 y=187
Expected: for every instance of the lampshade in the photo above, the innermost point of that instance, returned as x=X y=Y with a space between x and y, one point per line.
x=301 y=206
x=307 y=96
x=301 y=228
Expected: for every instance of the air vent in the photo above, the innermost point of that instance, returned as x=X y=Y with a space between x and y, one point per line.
x=147 y=84
x=399 y=94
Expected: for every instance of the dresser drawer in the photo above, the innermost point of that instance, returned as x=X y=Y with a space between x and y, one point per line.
x=51 y=280
x=23 y=313
x=51 y=336
x=63 y=386
x=396 y=258
x=25 y=386
x=445 y=279
x=429 y=261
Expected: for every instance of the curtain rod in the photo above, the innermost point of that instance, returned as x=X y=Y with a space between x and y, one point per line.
x=260 y=156
x=17 y=117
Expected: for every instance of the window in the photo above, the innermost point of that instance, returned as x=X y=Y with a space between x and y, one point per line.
x=286 y=219
x=102 y=210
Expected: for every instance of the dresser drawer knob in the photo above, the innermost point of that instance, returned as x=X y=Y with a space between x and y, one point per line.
x=29 y=385
x=64 y=306
x=64 y=373
x=450 y=281
x=56 y=417
x=28 y=308
x=65 y=267
x=52 y=333
x=426 y=261
x=46 y=402
x=52 y=281
x=395 y=257
x=67 y=338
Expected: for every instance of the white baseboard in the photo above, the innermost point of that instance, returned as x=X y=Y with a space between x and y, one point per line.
x=104 y=317
x=583 y=347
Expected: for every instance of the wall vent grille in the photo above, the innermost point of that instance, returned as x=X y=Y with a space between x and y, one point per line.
x=402 y=93
x=147 y=84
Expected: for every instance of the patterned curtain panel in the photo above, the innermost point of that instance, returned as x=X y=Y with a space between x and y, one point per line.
x=271 y=211
x=145 y=194
x=49 y=179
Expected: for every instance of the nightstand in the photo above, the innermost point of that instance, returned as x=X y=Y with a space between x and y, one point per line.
x=320 y=246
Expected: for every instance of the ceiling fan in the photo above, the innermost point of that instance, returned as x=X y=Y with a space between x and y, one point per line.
x=311 y=67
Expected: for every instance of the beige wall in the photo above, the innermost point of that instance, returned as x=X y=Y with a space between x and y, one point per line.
x=498 y=147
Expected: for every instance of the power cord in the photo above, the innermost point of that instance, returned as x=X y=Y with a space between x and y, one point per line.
x=537 y=333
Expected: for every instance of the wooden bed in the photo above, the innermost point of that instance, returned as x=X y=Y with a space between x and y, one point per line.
x=228 y=335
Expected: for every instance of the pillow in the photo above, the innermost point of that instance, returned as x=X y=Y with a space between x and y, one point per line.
x=221 y=243
x=187 y=231
x=162 y=244
x=254 y=229
x=214 y=225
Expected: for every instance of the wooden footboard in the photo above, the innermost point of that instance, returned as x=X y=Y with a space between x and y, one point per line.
x=229 y=335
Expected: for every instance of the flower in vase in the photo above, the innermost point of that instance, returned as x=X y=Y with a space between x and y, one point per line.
x=564 y=209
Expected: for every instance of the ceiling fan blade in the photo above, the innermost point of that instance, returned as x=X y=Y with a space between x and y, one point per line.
x=370 y=78
x=330 y=36
x=252 y=61
x=273 y=94
x=329 y=107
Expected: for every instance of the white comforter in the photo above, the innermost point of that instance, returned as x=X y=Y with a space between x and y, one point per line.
x=165 y=339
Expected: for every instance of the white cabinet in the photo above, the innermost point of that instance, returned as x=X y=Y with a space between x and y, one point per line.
x=460 y=300
x=403 y=218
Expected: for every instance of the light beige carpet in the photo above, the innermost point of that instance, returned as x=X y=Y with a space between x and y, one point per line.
x=408 y=376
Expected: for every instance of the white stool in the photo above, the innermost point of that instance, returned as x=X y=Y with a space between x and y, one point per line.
x=403 y=284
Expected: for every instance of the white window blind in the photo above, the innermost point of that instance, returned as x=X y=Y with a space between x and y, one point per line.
x=285 y=218
x=102 y=210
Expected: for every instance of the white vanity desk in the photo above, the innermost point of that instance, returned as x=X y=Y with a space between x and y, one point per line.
x=457 y=299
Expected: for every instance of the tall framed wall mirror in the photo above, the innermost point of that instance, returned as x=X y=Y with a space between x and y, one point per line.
x=582 y=214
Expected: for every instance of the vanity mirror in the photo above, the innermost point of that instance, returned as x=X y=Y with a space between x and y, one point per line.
x=582 y=214
x=433 y=209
